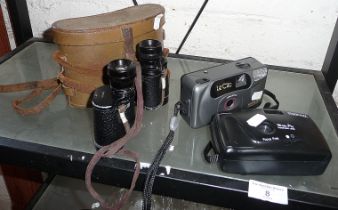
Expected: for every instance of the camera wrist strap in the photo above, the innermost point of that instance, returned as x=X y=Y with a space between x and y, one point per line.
x=273 y=97
x=208 y=157
x=148 y=186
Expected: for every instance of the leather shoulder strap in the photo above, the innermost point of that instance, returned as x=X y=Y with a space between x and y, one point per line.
x=37 y=88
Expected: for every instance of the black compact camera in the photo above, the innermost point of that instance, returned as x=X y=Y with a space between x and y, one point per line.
x=265 y=141
x=226 y=88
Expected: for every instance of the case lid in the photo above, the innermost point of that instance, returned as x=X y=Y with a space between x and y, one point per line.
x=105 y=28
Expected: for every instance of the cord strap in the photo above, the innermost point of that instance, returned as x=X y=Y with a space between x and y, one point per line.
x=151 y=174
x=117 y=147
x=206 y=152
x=274 y=98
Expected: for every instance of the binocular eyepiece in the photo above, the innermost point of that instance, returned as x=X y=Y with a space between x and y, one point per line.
x=149 y=50
x=121 y=73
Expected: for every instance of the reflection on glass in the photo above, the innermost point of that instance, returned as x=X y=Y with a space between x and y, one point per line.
x=64 y=127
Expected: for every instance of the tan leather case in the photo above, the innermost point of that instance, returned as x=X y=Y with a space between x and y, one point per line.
x=87 y=44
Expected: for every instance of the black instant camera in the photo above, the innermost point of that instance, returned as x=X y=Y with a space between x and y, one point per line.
x=226 y=88
x=265 y=141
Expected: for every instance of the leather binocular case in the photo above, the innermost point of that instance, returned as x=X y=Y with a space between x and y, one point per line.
x=87 y=44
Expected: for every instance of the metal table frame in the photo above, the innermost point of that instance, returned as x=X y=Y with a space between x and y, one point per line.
x=118 y=173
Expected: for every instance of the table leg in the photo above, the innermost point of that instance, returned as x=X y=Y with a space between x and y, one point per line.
x=22 y=184
x=4 y=43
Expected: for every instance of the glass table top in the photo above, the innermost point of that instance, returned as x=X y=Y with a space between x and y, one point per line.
x=64 y=127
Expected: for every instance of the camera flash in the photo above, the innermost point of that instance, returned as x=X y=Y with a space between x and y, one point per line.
x=259 y=73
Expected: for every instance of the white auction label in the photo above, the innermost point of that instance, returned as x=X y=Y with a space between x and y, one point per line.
x=157 y=21
x=257 y=95
x=256 y=120
x=268 y=192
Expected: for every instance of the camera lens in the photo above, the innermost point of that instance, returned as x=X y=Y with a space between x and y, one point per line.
x=113 y=101
x=230 y=104
x=149 y=54
x=266 y=128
